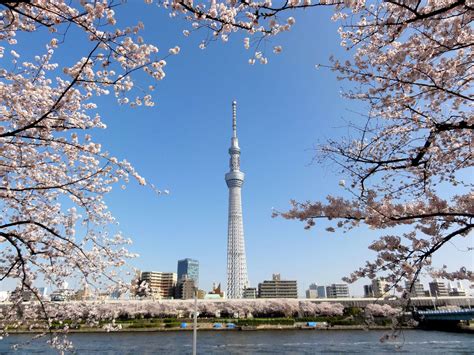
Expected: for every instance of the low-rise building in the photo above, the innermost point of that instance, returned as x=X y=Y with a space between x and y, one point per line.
x=216 y=290
x=278 y=288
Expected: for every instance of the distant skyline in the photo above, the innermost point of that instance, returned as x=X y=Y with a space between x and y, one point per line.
x=285 y=108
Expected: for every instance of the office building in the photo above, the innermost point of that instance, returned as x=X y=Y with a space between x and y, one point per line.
x=185 y=288
x=160 y=284
x=438 y=289
x=368 y=291
x=278 y=288
x=190 y=268
x=337 y=291
x=322 y=292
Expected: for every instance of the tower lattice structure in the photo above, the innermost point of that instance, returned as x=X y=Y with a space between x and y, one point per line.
x=237 y=279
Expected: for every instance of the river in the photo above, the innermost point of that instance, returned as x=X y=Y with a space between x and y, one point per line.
x=253 y=342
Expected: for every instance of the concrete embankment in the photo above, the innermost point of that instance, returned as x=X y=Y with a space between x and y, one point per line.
x=211 y=327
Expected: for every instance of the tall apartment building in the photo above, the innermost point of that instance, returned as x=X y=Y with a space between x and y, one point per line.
x=438 y=289
x=278 y=288
x=160 y=284
x=189 y=267
x=337 y=291
x=417 y=289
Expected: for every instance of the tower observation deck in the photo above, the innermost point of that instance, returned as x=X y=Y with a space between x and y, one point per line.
x=237 y=279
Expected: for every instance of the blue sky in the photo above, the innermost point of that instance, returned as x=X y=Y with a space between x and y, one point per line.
x=284 y=109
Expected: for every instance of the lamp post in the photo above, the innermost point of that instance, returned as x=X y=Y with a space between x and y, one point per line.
x=434 y=301
x=195 y=321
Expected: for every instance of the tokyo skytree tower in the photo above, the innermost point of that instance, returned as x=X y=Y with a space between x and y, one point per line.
x=237 y=279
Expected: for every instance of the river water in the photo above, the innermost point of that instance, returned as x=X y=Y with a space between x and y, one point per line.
x=253 y=342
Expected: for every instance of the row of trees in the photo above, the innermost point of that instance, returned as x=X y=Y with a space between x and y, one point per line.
x=92 y=313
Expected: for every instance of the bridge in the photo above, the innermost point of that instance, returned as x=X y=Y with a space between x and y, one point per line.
x=446 y=319
x=445 y=315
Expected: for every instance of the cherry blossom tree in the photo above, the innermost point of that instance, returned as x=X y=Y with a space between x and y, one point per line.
x=406 y=164
x=54 y=223
x=381 y=310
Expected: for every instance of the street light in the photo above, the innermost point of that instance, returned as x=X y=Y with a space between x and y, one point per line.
x=195 y=321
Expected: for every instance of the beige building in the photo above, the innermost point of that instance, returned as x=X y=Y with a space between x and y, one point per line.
x=278 y=288
x=160 y=284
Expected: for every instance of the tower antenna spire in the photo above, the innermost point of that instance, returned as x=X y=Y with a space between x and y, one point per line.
x=234 y=119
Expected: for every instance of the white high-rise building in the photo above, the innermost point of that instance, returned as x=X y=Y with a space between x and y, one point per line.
x=237 y=279
x=457 y=290
x=337 y=291
x=378 y=288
